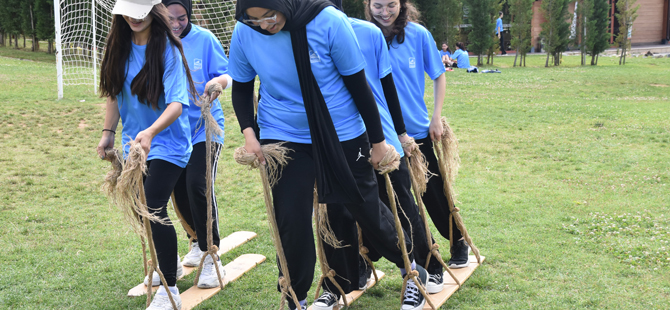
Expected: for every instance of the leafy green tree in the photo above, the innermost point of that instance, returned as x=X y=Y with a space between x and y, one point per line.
x=597 y=36
x=481 y=35
x=583 y=8
x=626 y=16
x=441 y=18
x=44 y=27
x=556 y=29
x=495 y=45
x=28 y=23
x=10 y=20
x=521 y=12
x=354 y=8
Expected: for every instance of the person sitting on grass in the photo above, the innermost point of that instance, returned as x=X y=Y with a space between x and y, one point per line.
x=445 y=53
x=460 y=57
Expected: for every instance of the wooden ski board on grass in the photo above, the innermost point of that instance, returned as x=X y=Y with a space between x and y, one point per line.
x=450 y=285
x=227 y=244
x=351 y=297
x=234 y=270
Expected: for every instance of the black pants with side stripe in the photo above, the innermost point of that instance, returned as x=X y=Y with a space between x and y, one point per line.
x=190 y=193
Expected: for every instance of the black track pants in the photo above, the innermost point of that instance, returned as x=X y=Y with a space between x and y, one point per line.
x=434 y=199
x=293 y=197
x=190 y=193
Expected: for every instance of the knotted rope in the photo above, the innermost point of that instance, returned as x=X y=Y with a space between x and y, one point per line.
x=363 y=250
x=419 y=174
x=327 y=235
x=389 y=163
x=448 y=160
x=211 y=129
x=275 y=158
x=129 y=195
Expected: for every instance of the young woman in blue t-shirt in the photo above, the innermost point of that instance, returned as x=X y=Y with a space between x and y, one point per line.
x=208 y=64
x=314 y=99
x=144 y=78
x=412 y=50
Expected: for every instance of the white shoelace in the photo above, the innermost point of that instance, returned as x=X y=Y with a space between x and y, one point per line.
x=326 y=298
x=412 y=293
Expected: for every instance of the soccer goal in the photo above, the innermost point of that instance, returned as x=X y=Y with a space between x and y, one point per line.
x=82 y=27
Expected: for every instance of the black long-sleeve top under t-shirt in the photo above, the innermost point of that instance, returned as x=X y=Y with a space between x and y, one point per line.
x=243 y=93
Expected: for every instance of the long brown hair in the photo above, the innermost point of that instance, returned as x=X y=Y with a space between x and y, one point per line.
x=148 y=83
x=408 y=13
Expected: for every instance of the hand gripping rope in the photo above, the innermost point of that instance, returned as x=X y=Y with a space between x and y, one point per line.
x=389 y=163
x=447 y=157
x=275 y=159
x=211 y=129
x=127 y=191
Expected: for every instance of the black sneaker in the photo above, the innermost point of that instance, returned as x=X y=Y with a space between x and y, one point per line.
x=435 y=283
x=460 y=255
x=364 y=273
x=291 y=306
x=326 y=301
x=413 y=299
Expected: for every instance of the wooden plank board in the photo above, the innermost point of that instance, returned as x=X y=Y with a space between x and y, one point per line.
x=450 y=286
x=234 y=270
x=227 y=244
x=351 y=297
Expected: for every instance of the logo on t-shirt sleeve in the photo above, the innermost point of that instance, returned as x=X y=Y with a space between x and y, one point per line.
x=197 y=64
x=412 y=62
x=313 y=56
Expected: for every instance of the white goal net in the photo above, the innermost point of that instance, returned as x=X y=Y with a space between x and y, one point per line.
x=82 y=27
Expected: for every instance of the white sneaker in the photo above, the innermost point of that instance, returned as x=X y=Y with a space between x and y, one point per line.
x=192 y=259
x=208 y=277
x=156 y=281
x=161 y=301
x=435 y=283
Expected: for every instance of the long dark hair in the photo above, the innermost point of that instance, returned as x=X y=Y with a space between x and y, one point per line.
x=408 y=13
x=148 y=84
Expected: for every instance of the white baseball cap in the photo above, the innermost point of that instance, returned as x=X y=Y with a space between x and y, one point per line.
x=137 y=9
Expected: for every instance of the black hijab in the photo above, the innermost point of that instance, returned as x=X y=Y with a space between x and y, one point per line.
x=189 y=10
x=334 y=180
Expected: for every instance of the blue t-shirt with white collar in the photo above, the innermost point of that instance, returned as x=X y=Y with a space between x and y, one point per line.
x=173 y=144
x=334 y=53
x=416 y=55
x=378 y=65
x=206 y=60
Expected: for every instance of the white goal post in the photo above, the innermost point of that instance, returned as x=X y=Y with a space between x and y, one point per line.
x=82 y=27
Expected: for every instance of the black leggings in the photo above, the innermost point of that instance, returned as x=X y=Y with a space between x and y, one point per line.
x=293 y=197
x=158 y=184
x=190 y=193
x=434 y=199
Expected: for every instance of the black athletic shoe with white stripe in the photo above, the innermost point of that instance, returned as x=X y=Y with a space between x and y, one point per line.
x=460 y=255
x=364 y=273
x=413 y=299
x=326 y=301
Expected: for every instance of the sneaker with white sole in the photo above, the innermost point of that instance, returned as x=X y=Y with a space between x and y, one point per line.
x=193 y=257
x=364 y=274
x=156 y=281
x=326 y=301
x=161 y=300
x=460 y=255
x=208 y=276
x=413 y=299
x=435 y=283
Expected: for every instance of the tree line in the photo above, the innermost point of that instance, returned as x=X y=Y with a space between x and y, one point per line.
x=473 y=22
x=33 y=19
x=450 y=21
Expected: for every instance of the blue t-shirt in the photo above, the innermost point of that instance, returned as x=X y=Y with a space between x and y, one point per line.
x=499 y=25
x=207 y=60
x=409 y=60
x=173 y=144
x=462 y=58
x=442 y=53
x=378 y=65
x=333 y=52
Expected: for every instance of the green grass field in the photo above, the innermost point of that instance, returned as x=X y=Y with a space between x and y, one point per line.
x=563 y=186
